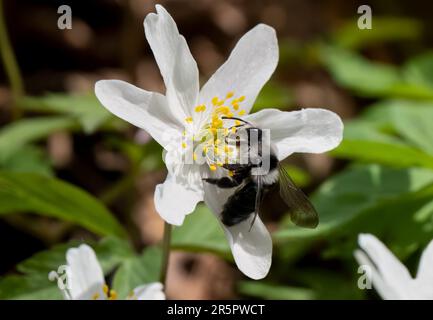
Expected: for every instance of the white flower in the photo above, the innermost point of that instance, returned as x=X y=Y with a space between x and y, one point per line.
x=389 y=276
x=187 y=111
x=85 y=279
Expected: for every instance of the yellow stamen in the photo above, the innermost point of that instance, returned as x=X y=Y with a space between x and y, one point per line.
x=113 y=295
x=188 y=120
x=200 y=108
x=212 y=167
x=105 y=289
x=194 y=156
x=241 y=98
x=242 y=112
x=236 y=106
x=231 y=173
x=219 y=164
x=95 y=296
x=230 y=94
x=237 y=122
x=215 y=100
x=234 y=129
x=183 y=145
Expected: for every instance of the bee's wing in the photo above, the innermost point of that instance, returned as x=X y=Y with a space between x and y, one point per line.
x=302 y=212
x=258 y=199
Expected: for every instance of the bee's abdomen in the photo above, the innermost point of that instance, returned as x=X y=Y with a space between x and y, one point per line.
x=240 y=205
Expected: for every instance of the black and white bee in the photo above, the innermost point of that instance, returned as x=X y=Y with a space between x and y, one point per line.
x=251 y=187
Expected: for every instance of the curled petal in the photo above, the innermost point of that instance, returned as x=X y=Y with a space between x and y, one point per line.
x=308 y=130
x=249 y=67
x=389 y=275
x=146 y=110
x=177 y=66
x=152 y=291
x=251 y=249
x=179 y=194
x=85 y=276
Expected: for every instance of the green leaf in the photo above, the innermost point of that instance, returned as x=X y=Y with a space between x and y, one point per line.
x=29 y=159
x=394 y=154
x=22 y=192
x=413 y=121
x=22 y=132
x=138 y=271
x=370 y=79
x=385 y=29
x=273 y=95
x=29 y=288
x=358 y=191
x=357 y=73
x=274 y=291
x=85 y=108
x=419 y=70
x=111 y=251
x=300 y=177
x=201 y=231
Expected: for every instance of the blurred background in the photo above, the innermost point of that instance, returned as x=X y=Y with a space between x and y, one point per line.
x=70 y=172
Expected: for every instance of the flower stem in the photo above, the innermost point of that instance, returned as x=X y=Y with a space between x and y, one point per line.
x=165 y=253
x=10 y=64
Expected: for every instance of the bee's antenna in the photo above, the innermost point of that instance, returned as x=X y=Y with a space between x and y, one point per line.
x=234 y=118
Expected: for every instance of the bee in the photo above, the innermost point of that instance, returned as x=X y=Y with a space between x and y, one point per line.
x=251 y=187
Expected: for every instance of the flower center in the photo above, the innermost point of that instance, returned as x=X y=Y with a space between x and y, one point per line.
x=210 y=141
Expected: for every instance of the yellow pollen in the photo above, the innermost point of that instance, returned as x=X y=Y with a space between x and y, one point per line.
x=215 y=100
x=236 y=106
x=223 y=110
x=194 y=156
x=200 y=108
x=105 y=289
x=241 y=113
x=237 y=122
x=226 y=131
x=188 y=120
x=113 y=295
x=205 y=149
x=230 y=94
x=216 y=150
x=212 y=167
x=220 y=103
x=95 y=296
x=226 y=149
x=219 y=164
x=183 y=145
x=241 y=98
x=231 y=173
x=234 y=129
x=230 y=115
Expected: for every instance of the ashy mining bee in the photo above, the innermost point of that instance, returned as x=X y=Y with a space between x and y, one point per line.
x=251 y=187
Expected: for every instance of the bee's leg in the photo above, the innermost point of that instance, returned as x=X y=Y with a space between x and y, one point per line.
x=224 y=182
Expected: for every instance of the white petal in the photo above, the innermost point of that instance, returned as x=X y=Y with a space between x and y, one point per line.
x=152 y=291
x=425 y=269
x=252 y=250
x=248 y=68
x=385 y=291
x=179 y=194
x=85 y=276
x=392 y=271
x=307 y=130
x=177 y=66
x=146 y=110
